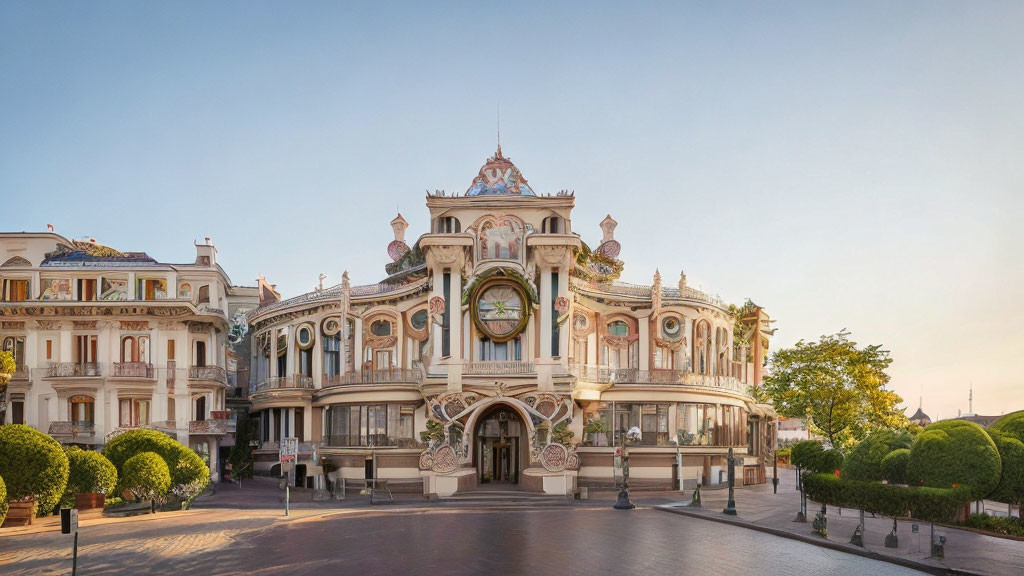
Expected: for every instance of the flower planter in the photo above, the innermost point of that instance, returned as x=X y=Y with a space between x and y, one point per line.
x=20 y=513
x=89 y=500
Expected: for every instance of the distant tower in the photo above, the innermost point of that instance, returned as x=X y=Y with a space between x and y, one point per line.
x=970 y=401
x=397 y=248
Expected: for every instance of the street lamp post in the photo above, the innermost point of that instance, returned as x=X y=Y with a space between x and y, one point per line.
x=730 y=508
x=623 y=502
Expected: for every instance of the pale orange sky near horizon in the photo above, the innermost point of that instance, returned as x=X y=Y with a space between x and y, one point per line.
x=848 y=166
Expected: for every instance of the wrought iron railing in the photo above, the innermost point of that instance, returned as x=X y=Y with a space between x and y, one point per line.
x=499 y=368
x=131 y=370
x=72 y=428
x=372 y=377
x=216 y=373
x=71 y=369
x=633 y=376
x=212 y=426
x=283 y=383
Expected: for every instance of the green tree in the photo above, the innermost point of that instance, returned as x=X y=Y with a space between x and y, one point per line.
x=955 y=453
x=90 y=472
x=33 y=465
x=1011 y=480
x=836 y=386
x=241 y=453
x=7 y=367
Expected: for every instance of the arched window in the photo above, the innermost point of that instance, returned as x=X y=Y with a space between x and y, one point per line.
x=448 y=225
x=702 y=347
x=380 y=328
x=204 y=294
x=200 y=353
x=129 y=349
x=201 y=408
x=551 y=225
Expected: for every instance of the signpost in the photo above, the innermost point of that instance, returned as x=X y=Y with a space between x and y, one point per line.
x=69 y=525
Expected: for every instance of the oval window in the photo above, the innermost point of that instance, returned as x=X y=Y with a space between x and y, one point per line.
x=304 y=336
x=381 y=328
x=419 y=320
x=619 y=329
x=671 y=327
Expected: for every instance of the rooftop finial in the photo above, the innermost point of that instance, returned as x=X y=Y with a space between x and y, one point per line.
x=498 y=153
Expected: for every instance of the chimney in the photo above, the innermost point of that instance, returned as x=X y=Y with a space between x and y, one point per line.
x=206 y=254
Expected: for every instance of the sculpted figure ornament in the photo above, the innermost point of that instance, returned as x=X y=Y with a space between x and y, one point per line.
x=552 y=255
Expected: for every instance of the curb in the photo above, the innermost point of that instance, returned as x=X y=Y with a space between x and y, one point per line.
x=848 y=548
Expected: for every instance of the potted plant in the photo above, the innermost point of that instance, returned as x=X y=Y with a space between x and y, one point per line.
x=20 y=512
x=595 y=429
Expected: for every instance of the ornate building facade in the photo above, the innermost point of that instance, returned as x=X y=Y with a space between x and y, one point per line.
x=106 y=340
x=501 y=350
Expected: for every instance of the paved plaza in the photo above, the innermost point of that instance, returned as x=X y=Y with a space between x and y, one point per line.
x=435 y=540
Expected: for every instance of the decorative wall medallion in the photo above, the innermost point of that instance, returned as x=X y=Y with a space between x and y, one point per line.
x=580 y=325
x=445 y=459
x=426 y=460
x=437 y=305
x=552 y=255
x=445 y=254
x=573 y=463
x=332 y=326
x=397 y=249
x=610 y=249
x=561 y=305
x=554 y=457
x=499 y=310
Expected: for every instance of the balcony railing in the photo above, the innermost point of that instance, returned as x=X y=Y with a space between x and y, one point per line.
x=72 y=369
x=212 y=426
x=72 y=429
x=499 y=368
x=284 y=383
x=369 y=441
x=372 y=377
x=131 y=370
x=633 y=376
x=215 y=373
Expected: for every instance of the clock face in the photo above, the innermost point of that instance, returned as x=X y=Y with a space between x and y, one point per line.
x=500 y=311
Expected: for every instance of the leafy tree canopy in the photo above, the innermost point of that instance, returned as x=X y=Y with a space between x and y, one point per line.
x=836 y=386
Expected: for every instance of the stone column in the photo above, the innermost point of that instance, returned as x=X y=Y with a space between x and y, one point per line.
x=645 y=342
x=455 y=308
x=436 y=290
x=290 y=352
x=357 y=345
x=273 y=353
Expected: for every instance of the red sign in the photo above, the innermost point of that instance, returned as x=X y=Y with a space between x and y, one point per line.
x=287 y=458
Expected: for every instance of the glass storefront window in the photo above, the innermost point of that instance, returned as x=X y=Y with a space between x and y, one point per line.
x=370 y=425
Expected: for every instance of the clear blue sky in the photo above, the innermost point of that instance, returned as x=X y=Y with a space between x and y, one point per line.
x=854 y=166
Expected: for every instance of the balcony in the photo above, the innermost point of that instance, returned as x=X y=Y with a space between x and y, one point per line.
x=72 y=369
x=73 y=431
x=372 y=377
x=131 y=370
x=211 y=426
x=368 y=441
x=633 y=377
x=297 y=382
x=20 y=373
x=498 y=368
x=212 y=373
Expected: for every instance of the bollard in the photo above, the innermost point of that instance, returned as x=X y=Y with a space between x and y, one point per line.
x=287 y=493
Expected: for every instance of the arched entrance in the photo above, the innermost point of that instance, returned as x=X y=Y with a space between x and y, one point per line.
x=500 y=437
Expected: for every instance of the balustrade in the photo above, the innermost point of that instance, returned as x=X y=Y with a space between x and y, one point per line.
x=284 y=383
x=633 y=376
x=131 y=370
x=215 y=373
x=372 y=377
x=499 y=368
x=72 y=369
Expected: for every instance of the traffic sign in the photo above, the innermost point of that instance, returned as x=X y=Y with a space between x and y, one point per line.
x=68 y=520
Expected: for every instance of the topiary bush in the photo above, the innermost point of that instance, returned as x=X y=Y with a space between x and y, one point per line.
x=33 y=465
x=189 y=474
x=90 y=472
x=1012 y=424
x=1011 y=480
x=894 y=466
x=955 y=453
x=811 y=456
x=865 y=460
x=3 y=501
x=146 y=476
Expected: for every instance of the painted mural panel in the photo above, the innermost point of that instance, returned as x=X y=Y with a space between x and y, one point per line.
x=185 y=291
x=501 y=238
x=114 y=289
x=55 y=289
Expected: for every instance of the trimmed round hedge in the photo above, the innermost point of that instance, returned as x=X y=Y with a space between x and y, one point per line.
x=1011 y=482
x=146 y=476
x=189 y=474
x=894 y=466
x=1011 y=424
x=809 y=455
x=32 y=464
x=955 y=452
x=865 y=460
x=3 y=500
x=90 y=472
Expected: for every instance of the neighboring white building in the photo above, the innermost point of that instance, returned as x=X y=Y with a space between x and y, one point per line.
x=107 y=340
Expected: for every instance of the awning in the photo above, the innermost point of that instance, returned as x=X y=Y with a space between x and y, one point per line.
x=762 y=411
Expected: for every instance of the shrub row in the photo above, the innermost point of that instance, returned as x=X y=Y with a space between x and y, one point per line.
x=33 y=465
x=955 y=452
x=3 y=501
x=923 y=503
x=189 y=474
x=1008 y=526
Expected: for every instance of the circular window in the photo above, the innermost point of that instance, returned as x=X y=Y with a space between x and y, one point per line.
x=381 y=328
x=671 y=327
x=419 y=320
x=304 y=336
x=500 y=311
x=331 y=326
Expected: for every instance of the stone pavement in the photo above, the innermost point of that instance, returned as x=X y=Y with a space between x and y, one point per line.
x=965 y=551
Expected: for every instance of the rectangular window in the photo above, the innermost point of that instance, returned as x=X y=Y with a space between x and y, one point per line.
x=170 y=349
x=332 y=355
x=17 y=412
x=445 y=318
x=49 y=349
x=86 y=289
x=150 y=289
x=15 y=290
x=555 y=332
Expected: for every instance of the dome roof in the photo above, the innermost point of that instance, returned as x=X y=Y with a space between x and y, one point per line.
x=499 y=176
